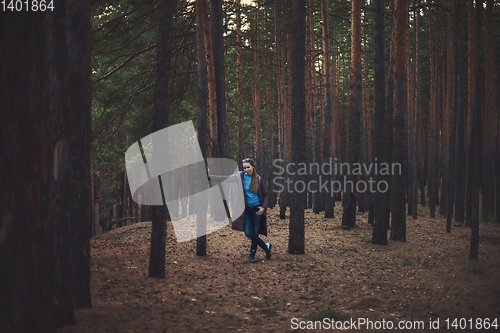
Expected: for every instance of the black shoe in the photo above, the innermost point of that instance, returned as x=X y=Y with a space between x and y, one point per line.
x=268 y=252
x=252 y=257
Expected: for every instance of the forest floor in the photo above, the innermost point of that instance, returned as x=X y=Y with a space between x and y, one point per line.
x=341 y=276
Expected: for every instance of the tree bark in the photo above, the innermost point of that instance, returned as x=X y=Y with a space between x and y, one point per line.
x=219 y=72
x=461 y=158
x=160 y=121
x=79 y=95
x=355 y=116
x=239 y=84
x=434 y=135
x=259 y=156
x=201 y=242
x=214 y=142
x=475 y=158
x=398 y=225
x=296 y=241
x=380 y=148
x=45 y=140
x=329 y=202
x=488 y=172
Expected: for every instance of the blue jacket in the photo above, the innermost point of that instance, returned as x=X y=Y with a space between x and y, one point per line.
x=239 y=222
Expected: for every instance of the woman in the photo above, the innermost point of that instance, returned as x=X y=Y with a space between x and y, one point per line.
x=254 y=220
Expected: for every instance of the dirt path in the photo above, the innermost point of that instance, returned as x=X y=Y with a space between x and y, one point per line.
x=342 y=275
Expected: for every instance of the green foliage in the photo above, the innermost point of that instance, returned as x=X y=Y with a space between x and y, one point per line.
x=268 y=311
x=488 y=216
x=476 y=269
x=124 y=38
x=407 y=262
x=327 y=313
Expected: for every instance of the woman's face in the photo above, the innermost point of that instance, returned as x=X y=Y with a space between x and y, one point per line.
x=248 y=168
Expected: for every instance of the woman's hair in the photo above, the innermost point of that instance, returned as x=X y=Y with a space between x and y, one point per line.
x=254 y=185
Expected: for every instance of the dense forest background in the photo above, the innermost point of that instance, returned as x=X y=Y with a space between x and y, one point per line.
x=411 y=82
x=446 y=57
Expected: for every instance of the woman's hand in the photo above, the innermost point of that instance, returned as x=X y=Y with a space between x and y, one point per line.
x=208 y=174
x=261 y=211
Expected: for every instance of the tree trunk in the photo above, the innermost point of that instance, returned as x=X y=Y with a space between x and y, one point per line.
x=380 y=138
x=434 y=135
x=447 y=116
x=460 y=161
x=214 y=142
x=328 y=119
x=45 y=138
x=78 y=135
x=458 y=96
x=398 y=225
x=488 y=172
x=355 y=116
x=475 y=157
x=259 y=156
x=160 y=121
x=201 y=242
x=364 y=196
x=390 y=105
x=220 y=86
x=296 y=243
x=416 y=120
x=239 y=84
x=270 y=129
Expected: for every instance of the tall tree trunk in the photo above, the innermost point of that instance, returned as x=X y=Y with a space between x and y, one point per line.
x=457 y=96
x=447 y=115
x=434 y=135
x=220 y=85
x=461 y=158
x=160 y=121
x=488 y=172
x=328 y=122
x=61 y=144
x=475 y=157
x=398 y=225
x=338 y=120
x=380 y=147
x=28 y=232
x=270 y=128
x=310 y=89
x=363 y=196
x=296 y=240
x=201 y=13
x=45 y=138
x=355 y=116
x=280 y=89
x=470 y=71
x=423 y=122
x=389 y=103
x=239 y=84
x=256 y=97
x=212 y=100
x=416 y=119
x=79 y=90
